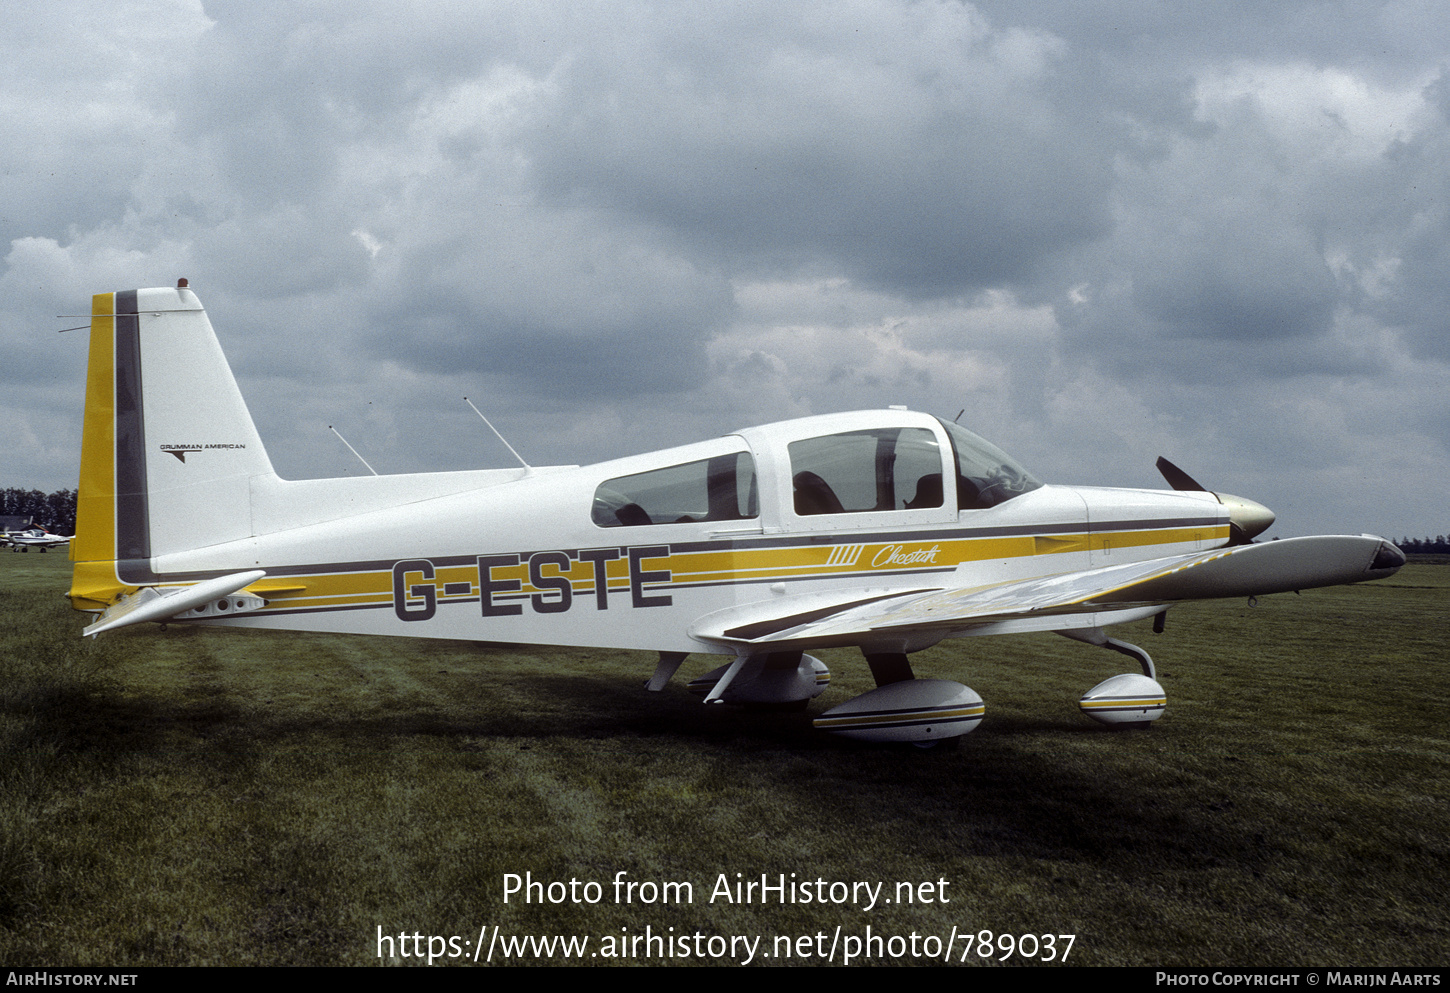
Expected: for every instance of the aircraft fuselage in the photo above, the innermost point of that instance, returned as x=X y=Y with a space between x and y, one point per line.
x=521 y=559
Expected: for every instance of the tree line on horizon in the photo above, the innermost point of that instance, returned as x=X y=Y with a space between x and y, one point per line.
x=1439 y=545
x=56 y=511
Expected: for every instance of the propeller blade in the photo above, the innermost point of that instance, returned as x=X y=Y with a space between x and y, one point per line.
x=1177 y=478
x=1247 y=518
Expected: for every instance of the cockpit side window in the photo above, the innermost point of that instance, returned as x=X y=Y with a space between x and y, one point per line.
x=986 y=475
x=718 y=489
x=881 y=469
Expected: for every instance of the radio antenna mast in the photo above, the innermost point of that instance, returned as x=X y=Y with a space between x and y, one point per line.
x=351 y=449
x=499 y=436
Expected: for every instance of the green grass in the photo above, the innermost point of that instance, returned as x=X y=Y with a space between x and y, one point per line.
x=242 y=797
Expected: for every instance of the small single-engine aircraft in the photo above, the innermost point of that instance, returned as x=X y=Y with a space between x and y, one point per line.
x=888 y=530
x=23 y=541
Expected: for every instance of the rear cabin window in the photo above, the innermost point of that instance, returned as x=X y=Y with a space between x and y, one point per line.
x=882 y=469
x=718 y=489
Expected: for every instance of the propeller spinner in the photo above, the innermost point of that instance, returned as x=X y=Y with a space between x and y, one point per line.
x=1247 y=518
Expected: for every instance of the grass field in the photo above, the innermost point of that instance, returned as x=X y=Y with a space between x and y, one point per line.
x=238 y=797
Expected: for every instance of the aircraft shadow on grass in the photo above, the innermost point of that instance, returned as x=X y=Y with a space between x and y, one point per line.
x=1003 y=799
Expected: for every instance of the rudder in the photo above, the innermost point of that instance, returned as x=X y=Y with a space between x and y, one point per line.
x=169 y=448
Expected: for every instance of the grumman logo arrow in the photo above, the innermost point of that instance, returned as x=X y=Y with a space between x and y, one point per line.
x=181 y=451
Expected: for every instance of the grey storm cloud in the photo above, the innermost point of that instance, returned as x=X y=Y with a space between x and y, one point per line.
x=1106 y=230
x=920 y=151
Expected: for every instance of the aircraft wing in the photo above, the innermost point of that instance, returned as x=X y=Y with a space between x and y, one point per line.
x=1090 y=597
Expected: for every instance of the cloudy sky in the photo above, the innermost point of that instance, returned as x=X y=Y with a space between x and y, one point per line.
x=1108 y=230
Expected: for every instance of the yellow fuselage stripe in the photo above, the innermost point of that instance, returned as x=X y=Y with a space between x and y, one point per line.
x=688 y=569
x=330 y=590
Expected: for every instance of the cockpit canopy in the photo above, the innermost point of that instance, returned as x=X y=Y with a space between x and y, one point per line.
x=899 y=469
x=867 y=470
x=877 y=469
x=986 y=475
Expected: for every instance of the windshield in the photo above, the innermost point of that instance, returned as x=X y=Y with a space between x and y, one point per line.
x=986 y=475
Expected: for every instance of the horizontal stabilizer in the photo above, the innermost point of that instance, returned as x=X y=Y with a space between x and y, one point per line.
x=150 y=604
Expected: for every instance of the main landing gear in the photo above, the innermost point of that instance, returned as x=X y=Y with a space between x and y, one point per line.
x=926 y=711
x=784 y=680
x=902 y=708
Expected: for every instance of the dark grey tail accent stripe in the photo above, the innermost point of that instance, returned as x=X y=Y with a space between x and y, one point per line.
x=133 y=525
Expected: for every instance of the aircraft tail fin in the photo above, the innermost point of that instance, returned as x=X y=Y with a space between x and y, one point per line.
x=169 y=449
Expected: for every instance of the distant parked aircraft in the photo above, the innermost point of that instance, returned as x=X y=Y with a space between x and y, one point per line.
x=36 y=537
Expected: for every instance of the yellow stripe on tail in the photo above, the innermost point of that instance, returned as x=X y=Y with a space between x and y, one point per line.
x=93 y=580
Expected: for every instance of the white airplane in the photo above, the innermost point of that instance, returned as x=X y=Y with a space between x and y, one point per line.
x=23 y=541
x=888 y=530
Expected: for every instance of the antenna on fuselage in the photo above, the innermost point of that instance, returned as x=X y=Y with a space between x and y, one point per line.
x=499 y=436
x=351 y=449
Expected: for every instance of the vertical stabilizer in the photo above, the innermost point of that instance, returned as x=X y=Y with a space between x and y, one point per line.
x=169 y=449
